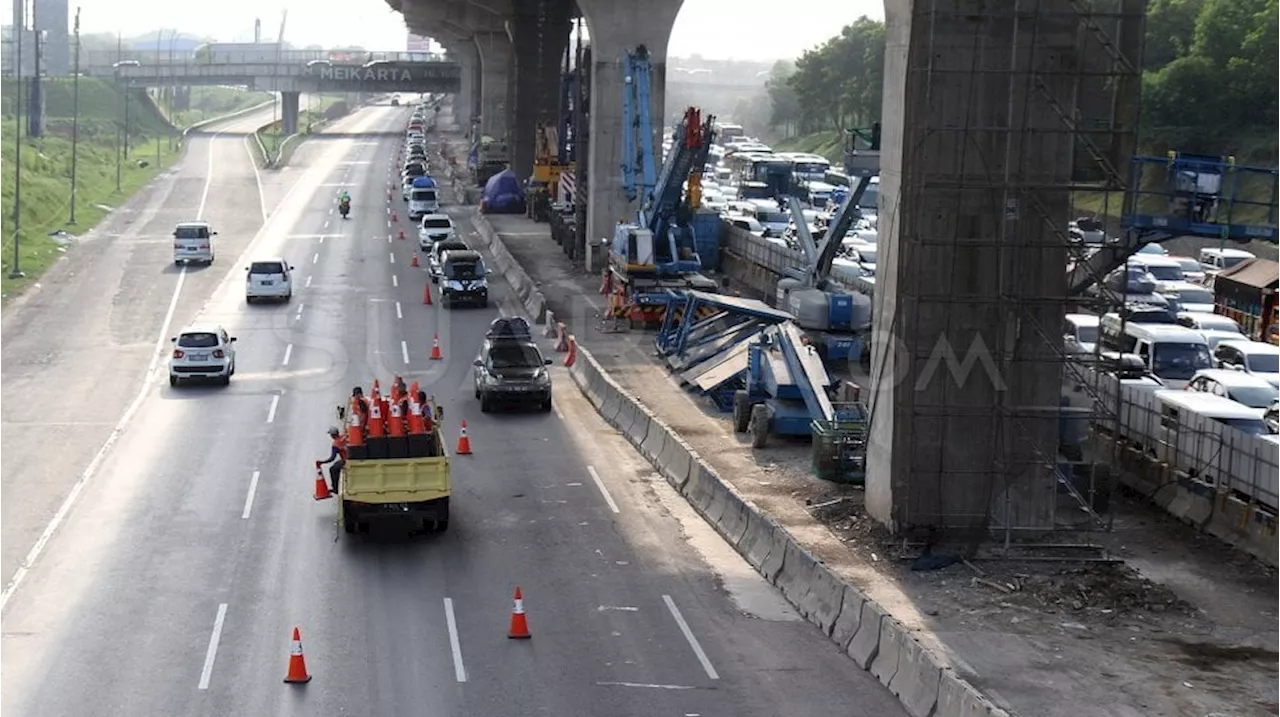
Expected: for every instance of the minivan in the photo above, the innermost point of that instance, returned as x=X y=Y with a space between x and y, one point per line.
x=1215 y=260
x=422 y=198
x=268 y=279
x=1171 y=352
x=193 y=242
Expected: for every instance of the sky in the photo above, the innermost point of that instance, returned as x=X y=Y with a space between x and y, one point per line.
x=711 y=28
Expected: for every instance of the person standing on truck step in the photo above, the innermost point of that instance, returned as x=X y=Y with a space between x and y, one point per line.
x=337 y=456
x=357 y=395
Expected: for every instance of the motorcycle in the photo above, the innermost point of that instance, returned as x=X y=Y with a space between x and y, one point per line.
x=344 y=208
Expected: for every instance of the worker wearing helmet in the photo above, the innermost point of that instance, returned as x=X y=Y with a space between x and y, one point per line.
x=337 y=456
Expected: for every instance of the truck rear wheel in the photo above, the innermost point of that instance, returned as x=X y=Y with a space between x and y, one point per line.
x=741 y=411
x=759 y=425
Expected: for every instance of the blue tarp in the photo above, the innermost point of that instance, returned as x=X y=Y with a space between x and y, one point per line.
x=502 y=194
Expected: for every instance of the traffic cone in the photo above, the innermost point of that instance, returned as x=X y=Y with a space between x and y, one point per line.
x=297 y=665
x=519 y=623
x=426 y=294
x=464 y=441
x=322 y=487
x=573 y=352
x=435 y=348
x=400 y=235
x=393 y=216
x=414 y=263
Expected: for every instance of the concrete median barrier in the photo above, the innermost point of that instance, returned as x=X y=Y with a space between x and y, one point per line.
x=795 y=580
x=957 y=698
x=885 y=664
x=627 y=412
x=758 y=541
x=698 y=491
x=918 y=678
x=718 y=504
x=846 y=625
x=732 y=523
x=865 y=645
x=675 y=460
x=825 y=599
x=655 y=440
x=533 y=300
x=639 y=429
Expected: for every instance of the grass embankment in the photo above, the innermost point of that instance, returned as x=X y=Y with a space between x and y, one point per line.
x=315 y=109
x=826 y=144
x=209 y=102
x=46 y=169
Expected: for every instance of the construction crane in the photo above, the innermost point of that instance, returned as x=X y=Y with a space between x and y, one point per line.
x=657 y=254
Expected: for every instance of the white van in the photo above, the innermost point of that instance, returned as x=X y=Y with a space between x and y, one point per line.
x=268 y=279
x=422 y=201
x=1176 y=406
x=1171 y=352
x=1215 y=260
x=193 y=242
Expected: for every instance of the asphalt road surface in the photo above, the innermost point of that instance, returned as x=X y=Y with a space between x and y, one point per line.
x=194 y=547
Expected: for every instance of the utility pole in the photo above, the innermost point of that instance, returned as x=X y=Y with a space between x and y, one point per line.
x=119 y=56
x=75 y=118
x=160 y=93
x=15 y=271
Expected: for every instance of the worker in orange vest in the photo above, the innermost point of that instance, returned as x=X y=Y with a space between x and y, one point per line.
x=337 y=456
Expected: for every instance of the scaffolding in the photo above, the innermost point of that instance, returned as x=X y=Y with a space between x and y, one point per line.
x=1015 y=109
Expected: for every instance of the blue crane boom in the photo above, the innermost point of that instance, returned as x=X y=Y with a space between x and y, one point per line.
x=637 y=157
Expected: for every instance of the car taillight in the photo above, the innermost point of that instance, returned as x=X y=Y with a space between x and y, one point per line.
x=177 y=353
x=218 y=354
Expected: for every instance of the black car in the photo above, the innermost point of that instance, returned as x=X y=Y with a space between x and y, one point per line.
x=511 y=369
x=463 y=279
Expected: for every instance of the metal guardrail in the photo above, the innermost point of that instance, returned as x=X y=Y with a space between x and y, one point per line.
x=108 y=58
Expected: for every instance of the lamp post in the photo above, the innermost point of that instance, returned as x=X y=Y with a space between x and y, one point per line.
x=75 y=118
x=159 y=89
x=119 y=55
x=173 y=37
x=15 y=271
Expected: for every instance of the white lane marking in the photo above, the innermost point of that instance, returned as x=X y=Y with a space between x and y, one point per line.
x=326 y=226
x=454 y=643
x=620 y=608
x=394 y=280
x=308 y=284
x=271 y=413
x=392 y=256
x=330 y=211
x=404 y=351
x=212 y=652
x=560 y=415
x=315 y=257
x=248 y=499
x=257 y=179
x=603 y=491
x=643 y=684
x=688 y=635
x=299 y=314
x=208 y=179
x=288 y=351
x=322 y=240
x=399 y=315
x=389 y=238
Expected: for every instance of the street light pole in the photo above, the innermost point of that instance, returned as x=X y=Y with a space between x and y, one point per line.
x=160 y=90
x=75 y=118
x=119 y=57
x=15 y=271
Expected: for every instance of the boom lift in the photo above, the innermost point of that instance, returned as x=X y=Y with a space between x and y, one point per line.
x=657 y=253
x=1185 y=195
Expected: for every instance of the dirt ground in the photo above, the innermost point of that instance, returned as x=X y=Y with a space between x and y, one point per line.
x=1151 y=619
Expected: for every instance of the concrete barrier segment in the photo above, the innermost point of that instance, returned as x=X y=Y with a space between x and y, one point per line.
x=885 y=664
x=674 y=461
x=775 y=563
x=700 y=488
x=627 y=412
x=918 y=678
x=846 y=625
x=758 y=540
x=732 y=524
x=639 y=429
x=796 y=578
x=865 y=644
x=659 y=434
x=611 y=405
x=718 y=505
x=826 y=598
x=957 y=698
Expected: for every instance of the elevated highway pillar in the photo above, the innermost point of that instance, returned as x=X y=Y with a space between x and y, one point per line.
x=979 y=155
x=540 y=34
x=617 y=26
x=496 y=79
x=289 y=102
x=464 y=104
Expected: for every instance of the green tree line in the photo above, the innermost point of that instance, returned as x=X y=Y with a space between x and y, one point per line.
x=1209 y=84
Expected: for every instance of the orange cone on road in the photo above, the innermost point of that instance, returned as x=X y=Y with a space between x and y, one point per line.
x=573 y=352
x=297 y=665
x=393 y=217
x=414 y=263
x=435 y=348
x=519 y=623
x=426 y=294
x=322 y=487
x=400 y=235
x=464 y=441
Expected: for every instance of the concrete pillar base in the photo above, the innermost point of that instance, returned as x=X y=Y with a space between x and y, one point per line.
x=289 y=102
x=495 y=84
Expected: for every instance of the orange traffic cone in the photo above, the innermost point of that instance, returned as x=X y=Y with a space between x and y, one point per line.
x=573 y=352
x=519 y=623
x=464 y=441
x=426 y=294
x=297 y=665
x=377 y=388
x=322 y=487
x=400 y=236
x=414 y=262
x=435 y=348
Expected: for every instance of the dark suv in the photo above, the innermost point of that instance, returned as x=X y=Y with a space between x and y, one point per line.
x=463 y=279
x=510 y=368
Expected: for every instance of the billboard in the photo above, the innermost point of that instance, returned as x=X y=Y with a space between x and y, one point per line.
x=417 y=43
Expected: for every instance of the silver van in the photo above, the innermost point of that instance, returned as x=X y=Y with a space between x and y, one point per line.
x=193 y=242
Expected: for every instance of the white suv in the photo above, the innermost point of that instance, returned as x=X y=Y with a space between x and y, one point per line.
x=269 y=279
x=202 y=351
x=435 y=228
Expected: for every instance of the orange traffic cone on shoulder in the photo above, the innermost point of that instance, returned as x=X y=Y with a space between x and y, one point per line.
x=322 y=487
x=414 y=261
x=426 y=294
x=464 y=441
x=297 y=665
x=519 y=623
x=435 y=348
x=400 y=235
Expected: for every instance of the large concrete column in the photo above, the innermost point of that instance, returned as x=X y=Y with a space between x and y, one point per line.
x=289 y=102
x=616 y=26
x=976 y=167
x=464 y=103
x=495 y=83
x=539 y=34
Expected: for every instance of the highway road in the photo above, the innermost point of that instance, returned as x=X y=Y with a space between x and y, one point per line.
x=194 y=548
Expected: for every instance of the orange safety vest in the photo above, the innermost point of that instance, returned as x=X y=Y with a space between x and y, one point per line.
x=340 y=445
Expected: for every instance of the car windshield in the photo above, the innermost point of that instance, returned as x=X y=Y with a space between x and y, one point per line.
x=1253 y=396
x=198 y=340
x=464 y=270
x=1194 y=296
x=1251 y=426
x=444 y=246
x=1189 y=264
x=1087 y=334
x=513 y=355
x=1179 y=361
x=416 y=170
x=266 y=267
x=1165 y=273
x=1264 y=363
x=423 y=195
x=1216 y=323
x=436 y=224
x=773 y=217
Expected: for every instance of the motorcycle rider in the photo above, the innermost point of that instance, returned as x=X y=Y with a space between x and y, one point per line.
x=344 y=201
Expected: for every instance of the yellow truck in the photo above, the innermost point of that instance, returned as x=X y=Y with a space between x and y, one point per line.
x=413 y=490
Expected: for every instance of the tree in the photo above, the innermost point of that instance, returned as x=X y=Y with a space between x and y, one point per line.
x=784 y=106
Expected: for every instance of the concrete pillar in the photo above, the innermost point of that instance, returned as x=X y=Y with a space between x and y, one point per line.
x=539 y=35
x=289 y=112
x=464 y=104
x=495 y=83
x=616 y=26
x=975 y=183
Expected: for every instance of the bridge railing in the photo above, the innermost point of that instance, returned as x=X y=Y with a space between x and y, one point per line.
x=108 y=58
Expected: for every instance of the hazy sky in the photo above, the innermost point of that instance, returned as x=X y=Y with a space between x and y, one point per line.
x=712 y=28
